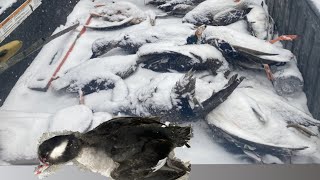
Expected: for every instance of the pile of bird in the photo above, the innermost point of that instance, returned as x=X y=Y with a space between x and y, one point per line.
x=223 y=64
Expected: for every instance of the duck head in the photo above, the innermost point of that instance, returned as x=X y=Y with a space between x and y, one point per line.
x=57 y=150
x=196 y=37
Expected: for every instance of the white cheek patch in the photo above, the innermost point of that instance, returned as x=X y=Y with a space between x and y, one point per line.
x=58 y=151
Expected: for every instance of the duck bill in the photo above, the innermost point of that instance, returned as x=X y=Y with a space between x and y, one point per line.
x=41 y=168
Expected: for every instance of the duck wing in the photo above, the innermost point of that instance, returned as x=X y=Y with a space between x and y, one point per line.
x=252 y=146
x=218 y=98
x=254 y=55
x=135 y=138
x=110 y=126
x=164 y=61
x=229 y=16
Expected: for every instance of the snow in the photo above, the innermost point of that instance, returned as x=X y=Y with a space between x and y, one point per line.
x=4 y=4
x=70 y=118
x=100 y=117
x=27 y=114
x=19 y=133
x=317 y=3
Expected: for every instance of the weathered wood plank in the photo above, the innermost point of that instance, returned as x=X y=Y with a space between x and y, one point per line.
x=301 y=17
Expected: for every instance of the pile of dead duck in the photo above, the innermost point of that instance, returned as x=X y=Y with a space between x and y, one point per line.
x=223 y=63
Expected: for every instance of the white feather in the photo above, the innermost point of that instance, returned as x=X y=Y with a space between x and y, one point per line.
x=159 y=165
x=96 y=161
x=59 y=150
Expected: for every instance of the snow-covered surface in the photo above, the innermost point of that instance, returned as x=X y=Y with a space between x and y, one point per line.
x=19 y=132
x=69 y=118
x=4 y=4
x=59 y=110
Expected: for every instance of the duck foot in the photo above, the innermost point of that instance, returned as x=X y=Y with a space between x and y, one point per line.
x=96 y=15
x=284 y=38
x=199 y=32
x=268 y=72
x=302 y=129
x=99 y=5
x=81 y=97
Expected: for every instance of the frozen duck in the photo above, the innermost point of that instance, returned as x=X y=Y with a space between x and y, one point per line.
x=165 y=57
x=97 y=74
x=121 y=148
x=117 y=14
x=132 y=41
x=180 y=96
x=218 y=12
x=225 y=12
x=260 y=23
x=242 y=49
x=175 y=7
x=263 y=124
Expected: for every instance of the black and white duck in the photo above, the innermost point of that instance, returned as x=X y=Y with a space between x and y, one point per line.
x=121 y=148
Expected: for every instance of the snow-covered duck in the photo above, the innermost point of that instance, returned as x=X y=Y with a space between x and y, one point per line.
x=103 y=77
x=175 y=7
x=242 y=49
x=156 y=42
x=226 y=12
x=260 y=23
x=166 y=57
x=121 y=148
x=265 y=126
x=182 y=97
x=98 y=74
x=218 y=12
x=132 y=41
x=117 y=14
